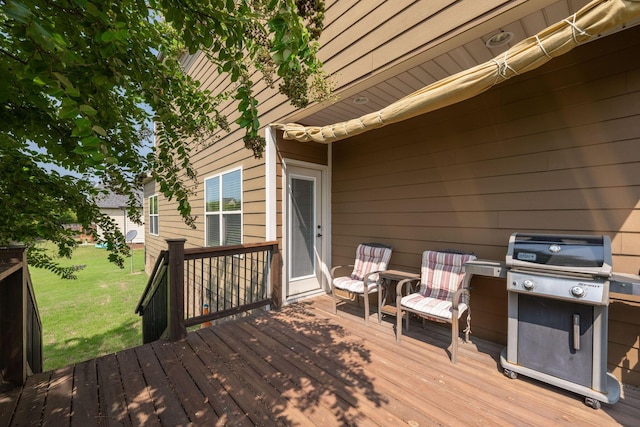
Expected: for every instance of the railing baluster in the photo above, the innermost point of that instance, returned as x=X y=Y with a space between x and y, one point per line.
x=202 y=291
x=217 y=284
x=236 y=277
x=236 y=281
x=191 y=289
x=262 y=280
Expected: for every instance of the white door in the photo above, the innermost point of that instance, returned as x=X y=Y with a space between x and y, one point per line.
x=304 y=231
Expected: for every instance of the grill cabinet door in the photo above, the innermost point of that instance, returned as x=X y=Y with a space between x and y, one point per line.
x=546 y=338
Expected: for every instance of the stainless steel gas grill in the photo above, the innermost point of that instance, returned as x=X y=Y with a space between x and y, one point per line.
x=558 y=293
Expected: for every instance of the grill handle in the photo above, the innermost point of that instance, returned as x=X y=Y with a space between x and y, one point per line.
x=576 y=332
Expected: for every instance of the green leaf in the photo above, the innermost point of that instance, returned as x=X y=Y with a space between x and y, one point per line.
x=72 y=92
x=81 y=132
x=68 y=112
x=63 y=79
x=88 y=110
x=243 y=121
x=82 y=128
x=99 y=130
x=110 y=59
x=115 y=35
x=91 y=142
x=97 y=156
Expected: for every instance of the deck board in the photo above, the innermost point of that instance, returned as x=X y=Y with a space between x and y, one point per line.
x=111 y=390
x=139 y=403
x=85 y=394
x=57 y=406
x=167 y=403
x=303 y=366
x=217 y=393
x=276 y=386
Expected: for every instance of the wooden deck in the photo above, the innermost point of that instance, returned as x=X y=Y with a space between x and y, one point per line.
x=302 y=366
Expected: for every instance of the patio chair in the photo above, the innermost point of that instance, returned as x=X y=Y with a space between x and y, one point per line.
x=371 y=258
x=442 y=296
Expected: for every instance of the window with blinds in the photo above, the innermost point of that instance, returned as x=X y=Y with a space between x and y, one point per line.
x=223 y=209
x=154 y=222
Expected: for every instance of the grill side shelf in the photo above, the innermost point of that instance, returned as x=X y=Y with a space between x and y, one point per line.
x=485 y=267
x=625 y=287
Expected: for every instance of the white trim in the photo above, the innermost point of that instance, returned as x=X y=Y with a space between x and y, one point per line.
x=157 y=215
x=270 y=158
x=241 y=212
x=328 y=264
x=325 y=221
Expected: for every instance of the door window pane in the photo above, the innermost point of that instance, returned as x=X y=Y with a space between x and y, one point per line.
x=302 y=227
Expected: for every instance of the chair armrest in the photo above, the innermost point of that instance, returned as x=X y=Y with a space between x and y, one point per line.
x=458 y=295
x=406 y=283
x=337 y=267
x=365 y=280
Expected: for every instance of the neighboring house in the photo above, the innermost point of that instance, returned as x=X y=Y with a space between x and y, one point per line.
x=115 y=206
x=552 y=150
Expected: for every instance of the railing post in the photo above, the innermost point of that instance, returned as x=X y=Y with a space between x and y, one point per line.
x=13 y=317
x=175 y=321
x=276 y=277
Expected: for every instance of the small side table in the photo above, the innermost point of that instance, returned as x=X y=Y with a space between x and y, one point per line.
x=387 y=290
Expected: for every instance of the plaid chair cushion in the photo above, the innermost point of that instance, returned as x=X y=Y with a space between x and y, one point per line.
x=368 y=259
x=352 y=285
x=433 y=306
x=442 y=274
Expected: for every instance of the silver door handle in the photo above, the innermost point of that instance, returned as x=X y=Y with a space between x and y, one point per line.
x=576 y=332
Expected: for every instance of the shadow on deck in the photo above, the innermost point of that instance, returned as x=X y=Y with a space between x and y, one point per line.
x=301 y=365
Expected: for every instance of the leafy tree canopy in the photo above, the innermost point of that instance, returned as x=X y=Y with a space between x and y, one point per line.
x=82 y=81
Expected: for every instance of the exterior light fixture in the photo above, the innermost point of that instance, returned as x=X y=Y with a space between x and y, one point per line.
x=499 y=39
x=360 y=100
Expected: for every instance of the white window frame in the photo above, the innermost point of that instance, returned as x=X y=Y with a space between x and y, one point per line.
x=220 y=213
x=153 y=215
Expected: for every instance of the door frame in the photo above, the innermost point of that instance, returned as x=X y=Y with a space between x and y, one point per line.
x=324 y=220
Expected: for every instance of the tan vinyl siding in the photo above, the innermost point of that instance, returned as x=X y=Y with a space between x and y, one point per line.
x=310 y=152
x=553 y=151
x=354 y=29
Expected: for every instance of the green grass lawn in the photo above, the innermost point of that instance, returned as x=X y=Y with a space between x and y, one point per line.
x=92 y=315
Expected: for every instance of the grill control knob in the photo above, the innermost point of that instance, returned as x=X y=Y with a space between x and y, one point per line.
x=577 y=291
x=528 y=285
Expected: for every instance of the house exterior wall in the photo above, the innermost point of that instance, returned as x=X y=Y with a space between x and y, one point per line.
x=361 y=40
x=553 y=151
x=125 y=224
x=556 y=150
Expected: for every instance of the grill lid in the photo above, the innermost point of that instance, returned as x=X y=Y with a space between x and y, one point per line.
x=563 y=253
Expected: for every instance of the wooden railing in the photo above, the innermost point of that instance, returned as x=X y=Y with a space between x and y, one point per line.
x=20 y=323
x=153 y=306
x=198 y=285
